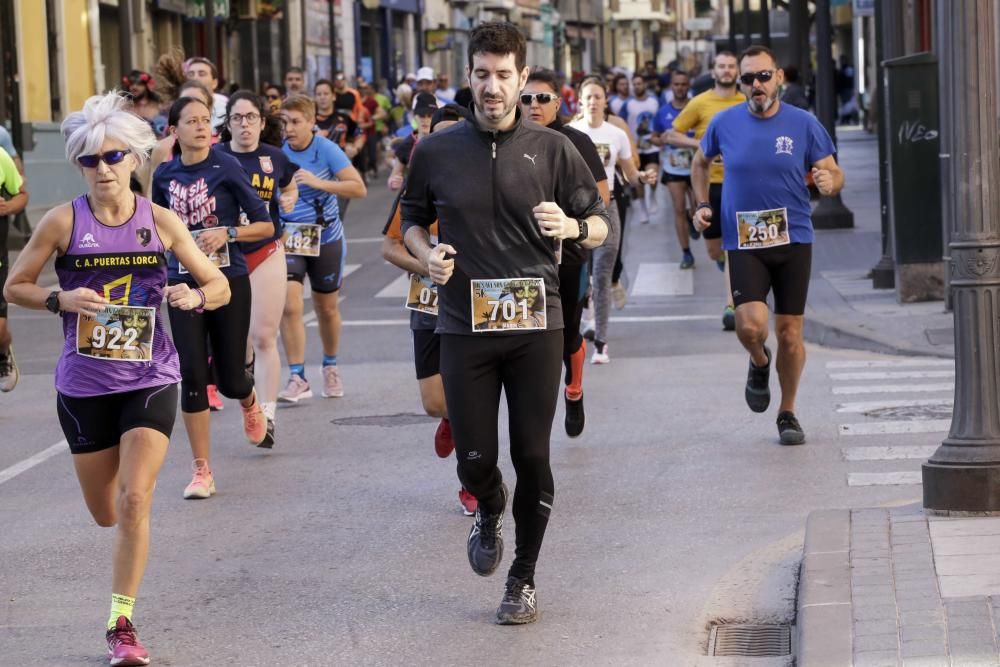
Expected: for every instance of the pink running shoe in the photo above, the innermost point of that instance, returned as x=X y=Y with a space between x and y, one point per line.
x=215 y=403
x=123 y=645
x=202 y=483
x=333 y=386
x=254 y=423
x=469 y=502
x=444 y=444
x=296 y=390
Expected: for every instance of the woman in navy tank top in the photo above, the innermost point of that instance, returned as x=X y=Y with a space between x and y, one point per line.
x=117 y=376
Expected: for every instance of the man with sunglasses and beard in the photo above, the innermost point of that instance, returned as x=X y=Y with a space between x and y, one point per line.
x=768 y=148
x=540 y=101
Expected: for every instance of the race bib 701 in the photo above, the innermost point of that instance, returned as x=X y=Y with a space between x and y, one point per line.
x=508 y=303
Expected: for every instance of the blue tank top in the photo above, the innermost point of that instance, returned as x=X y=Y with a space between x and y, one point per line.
x=126 y=347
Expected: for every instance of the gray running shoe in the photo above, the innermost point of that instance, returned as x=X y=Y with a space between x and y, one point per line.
x=485 y=544
x=518 y=605
x=789 y=430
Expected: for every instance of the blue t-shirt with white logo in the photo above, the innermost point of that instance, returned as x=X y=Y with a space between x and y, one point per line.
x=767 y=160
x=324 y=159
x=675 y=161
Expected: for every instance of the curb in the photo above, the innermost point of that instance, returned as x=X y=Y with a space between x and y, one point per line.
x=824 y=620
x=817 y=331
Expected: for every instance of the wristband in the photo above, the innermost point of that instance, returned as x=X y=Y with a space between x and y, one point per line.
x=702 y=205
x=201 y=306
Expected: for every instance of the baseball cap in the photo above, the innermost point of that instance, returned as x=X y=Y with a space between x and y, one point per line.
x=425 y=74
x=448 y=112
x=424 y=104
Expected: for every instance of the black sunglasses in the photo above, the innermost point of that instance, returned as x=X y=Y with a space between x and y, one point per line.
x=763 y=76
x=109 y=158
x=543 y=98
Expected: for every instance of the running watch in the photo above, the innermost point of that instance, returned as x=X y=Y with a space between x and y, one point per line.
x=231 y=234
x=583 y=231
x=52 y=303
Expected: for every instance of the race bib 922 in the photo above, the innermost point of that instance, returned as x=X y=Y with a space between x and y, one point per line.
x=117 y=333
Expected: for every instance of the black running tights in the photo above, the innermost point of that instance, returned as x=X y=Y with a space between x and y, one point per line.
x=226 y=328
x=474 y=369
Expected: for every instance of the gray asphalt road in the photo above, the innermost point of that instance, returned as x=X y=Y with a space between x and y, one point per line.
x=345 y=546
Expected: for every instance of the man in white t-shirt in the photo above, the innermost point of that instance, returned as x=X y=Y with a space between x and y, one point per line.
x=639 y=112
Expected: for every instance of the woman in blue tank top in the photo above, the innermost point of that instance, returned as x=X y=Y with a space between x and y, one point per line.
x=118 y=372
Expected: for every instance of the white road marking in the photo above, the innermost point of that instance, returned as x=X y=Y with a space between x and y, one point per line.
x=348 y=270
x=31 y=462
x=888 y=453
x=890 y=363
x=397 y=289
x=867 y=406
x=893 y=388
x=891 y=375
x=662 y=279
x=893 y=427
x=663 y=318
x=366 y=323
x=365 y=239
x=883 y=478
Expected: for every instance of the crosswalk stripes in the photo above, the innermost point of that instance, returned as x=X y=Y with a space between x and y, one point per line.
x=662 y=279
x=911 y=411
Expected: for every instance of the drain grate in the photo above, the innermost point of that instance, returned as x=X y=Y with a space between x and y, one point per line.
x=755 y=641
x=936 y=411
x=404 y=419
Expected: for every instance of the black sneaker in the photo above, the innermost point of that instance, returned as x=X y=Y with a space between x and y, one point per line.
x=575 y=417
x=789 y=430
x=518 y=605
x=268 y=441
x=757 y=393
x=485 y=545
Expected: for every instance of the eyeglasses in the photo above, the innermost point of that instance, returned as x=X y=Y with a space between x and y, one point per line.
x=109 y=158
x=763 y=76
x=543 y=98
x=238 y=118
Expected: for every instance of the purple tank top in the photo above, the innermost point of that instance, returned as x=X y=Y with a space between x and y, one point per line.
x=121 y=350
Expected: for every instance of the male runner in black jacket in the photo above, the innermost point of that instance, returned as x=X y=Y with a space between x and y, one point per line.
x=506 y=194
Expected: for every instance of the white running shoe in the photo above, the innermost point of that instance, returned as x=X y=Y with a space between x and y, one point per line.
x=9 y=374
x=600 y=355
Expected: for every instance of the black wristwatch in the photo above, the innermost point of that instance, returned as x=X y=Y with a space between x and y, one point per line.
x=52 y=303
x=583 y=231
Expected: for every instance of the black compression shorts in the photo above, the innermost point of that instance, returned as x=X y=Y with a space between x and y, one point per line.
x=426 y=353
x=667 y=179
x=784 y=269
x=97 y=423
x=714 y=230
x=326 y=272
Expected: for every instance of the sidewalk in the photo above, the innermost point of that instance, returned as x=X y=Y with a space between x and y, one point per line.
x=844 y=310
x=896 y=587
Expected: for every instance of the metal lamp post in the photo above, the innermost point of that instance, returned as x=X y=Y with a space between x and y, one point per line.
x=613 y=25
x=654 y=35
x=963 y=475
x=636 y=29
x=830 y=212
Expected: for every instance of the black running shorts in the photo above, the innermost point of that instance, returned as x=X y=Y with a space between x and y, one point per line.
x=97 y=423
x=426 y=353
x=646 y=159
x=714 y=230
x=784 y=269
x=326 y=272
x=667 y=179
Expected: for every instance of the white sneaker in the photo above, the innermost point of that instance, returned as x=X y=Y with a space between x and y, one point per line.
x=600 y=355
x=9 y=374
x=296 y=389
x=333 y=386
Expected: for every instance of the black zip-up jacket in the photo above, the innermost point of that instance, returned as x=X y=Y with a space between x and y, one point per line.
x=482 y=186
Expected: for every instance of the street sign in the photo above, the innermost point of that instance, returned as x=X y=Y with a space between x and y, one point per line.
x=698 y=25
x=864 y=7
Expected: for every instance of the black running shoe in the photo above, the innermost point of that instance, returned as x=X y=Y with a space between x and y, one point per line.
x=485 y=545
x=789 y=430
x=518 y=605
x=758 y=394
x=268 y=441
x=575 y=417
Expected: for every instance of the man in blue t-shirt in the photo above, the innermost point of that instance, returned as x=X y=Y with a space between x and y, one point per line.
x=767 y=147
x=314 y=245
x=676 y=163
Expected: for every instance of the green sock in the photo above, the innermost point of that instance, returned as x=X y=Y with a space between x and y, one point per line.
x=121 y=605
